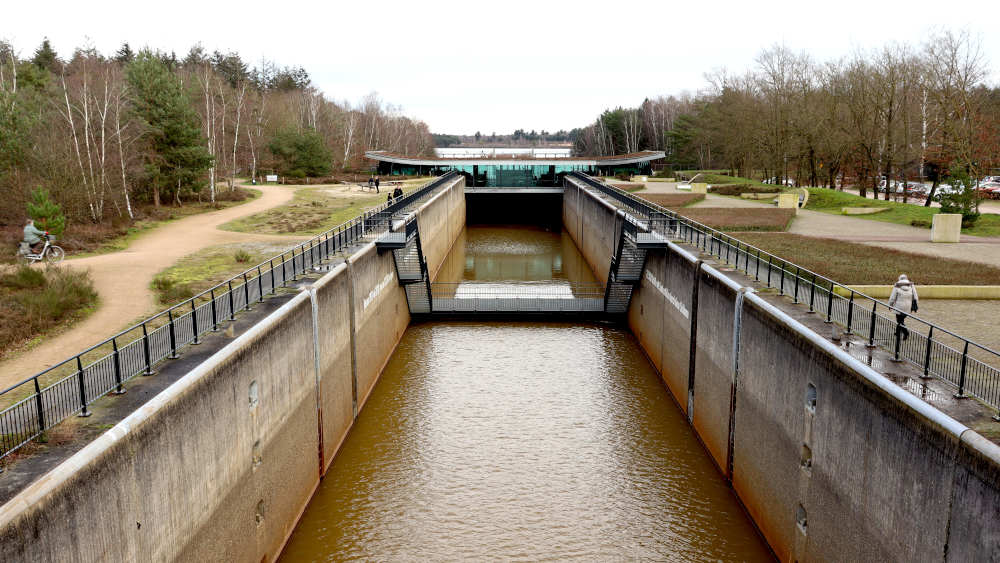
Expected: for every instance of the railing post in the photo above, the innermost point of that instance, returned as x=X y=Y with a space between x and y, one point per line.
x=246 y=291
x=756 y=271
x=850 y=312
x=812 y=295
x=781 y=284
x=147 y=352
x=829 y=304
x=284 y=271
x=260 y=284
x=927 y=352
x=194 y=322
x=38 y=405
x=961 y=376
x=118 y=367
x=173 y=335
x=232 y=303
x=899 y=333
x=798 y=274
x=215 y=313
x=83 y=391
x=768 y=270
x=871 y=326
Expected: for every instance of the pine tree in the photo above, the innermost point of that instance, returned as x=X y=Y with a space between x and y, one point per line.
x=46 y=57
x=177 y=157
x=46 y=213
x=124 y=55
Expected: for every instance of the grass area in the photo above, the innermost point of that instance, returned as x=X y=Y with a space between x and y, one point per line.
x=832 y=201
x=741 y=218
x=860 y=264
x=673 y=200
x=737 y=189
x=716 y=177
x=34 y=301
x=210 y=266
x=312 y=210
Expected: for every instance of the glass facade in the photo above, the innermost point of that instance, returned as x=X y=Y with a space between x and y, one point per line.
x=510 y=175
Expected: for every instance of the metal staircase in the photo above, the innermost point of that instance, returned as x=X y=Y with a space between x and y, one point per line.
x=411 y=266
x=627 y=265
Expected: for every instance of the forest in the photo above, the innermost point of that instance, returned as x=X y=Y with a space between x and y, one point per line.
x=110 y=138
x=903 y=111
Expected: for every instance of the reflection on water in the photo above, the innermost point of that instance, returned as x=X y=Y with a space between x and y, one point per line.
x=522 y=441
x=515 y=253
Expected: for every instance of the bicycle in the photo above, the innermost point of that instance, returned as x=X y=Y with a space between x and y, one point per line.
x=50 y=253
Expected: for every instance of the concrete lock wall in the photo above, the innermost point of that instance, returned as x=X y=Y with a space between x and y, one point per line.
x=831 y=460
x=440 y=221
x=221 y=464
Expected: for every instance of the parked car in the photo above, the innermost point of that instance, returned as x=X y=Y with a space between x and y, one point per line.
x=989 y=190
x=777 y=181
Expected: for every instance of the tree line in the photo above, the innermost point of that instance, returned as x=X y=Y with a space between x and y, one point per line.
x=900 y=112
x=105 y=133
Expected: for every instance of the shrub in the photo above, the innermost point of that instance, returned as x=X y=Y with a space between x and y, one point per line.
x=242 y=256
x=631 y=187
x=673 y=200
x=965 y=200
x=33 y=300
x=920 y=223
x=624 y=176
x=170 y=290
x=737 y=189
x=741 y=219
x=47 y=214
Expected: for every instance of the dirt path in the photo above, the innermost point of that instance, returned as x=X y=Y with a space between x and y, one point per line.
x=122 y=279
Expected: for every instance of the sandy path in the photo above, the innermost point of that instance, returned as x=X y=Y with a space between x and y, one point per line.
x=122 y=279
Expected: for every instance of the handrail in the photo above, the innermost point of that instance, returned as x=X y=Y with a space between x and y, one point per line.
x=166 y=332
x=933 y=356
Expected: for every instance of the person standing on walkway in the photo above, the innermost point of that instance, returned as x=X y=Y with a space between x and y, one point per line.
x=904 y=299
x=371 y=182
x=376 y=184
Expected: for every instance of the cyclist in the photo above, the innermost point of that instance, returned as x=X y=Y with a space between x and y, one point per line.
x=33 y=237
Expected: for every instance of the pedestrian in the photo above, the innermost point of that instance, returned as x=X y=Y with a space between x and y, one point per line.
x=370 y=182
x=904 y=299
x=398 y=192
x=376 y=184
x=388 y=198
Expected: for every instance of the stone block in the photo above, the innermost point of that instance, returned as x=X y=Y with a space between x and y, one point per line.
x=788 y=201
x=699 y=188
x=946 y=227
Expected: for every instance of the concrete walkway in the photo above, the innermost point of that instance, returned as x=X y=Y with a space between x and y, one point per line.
x=122 y=279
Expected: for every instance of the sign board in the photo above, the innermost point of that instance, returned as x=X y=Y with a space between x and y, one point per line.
x=272 y=177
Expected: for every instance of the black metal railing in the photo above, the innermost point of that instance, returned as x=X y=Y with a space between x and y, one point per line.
x=70 y=387
x=973 y=368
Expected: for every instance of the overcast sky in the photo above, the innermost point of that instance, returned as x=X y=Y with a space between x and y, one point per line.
x=464 y=66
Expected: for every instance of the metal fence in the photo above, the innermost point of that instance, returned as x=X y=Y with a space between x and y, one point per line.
x=39 y=403
x=973 y=368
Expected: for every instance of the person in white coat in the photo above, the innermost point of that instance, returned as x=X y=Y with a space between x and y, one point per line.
x=904 y=299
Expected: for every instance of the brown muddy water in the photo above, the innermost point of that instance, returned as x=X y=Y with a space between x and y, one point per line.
x=521 y=441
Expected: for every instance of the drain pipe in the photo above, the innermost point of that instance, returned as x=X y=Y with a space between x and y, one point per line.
x=737 y=328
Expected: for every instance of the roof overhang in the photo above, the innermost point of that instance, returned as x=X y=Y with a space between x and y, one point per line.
x=617 y=160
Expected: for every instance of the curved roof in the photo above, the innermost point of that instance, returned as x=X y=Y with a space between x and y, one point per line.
x=632 y=158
